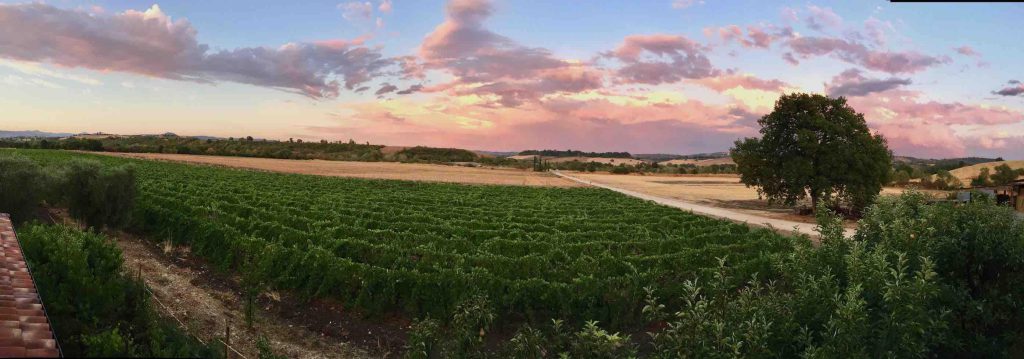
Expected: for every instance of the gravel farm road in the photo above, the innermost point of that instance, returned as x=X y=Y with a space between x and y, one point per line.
x=720 y=213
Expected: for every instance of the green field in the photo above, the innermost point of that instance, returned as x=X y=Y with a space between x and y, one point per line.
x=422 y=248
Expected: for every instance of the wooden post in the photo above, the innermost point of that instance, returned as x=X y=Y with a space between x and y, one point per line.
x=227 y=339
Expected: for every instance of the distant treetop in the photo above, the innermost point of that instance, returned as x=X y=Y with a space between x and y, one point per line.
x=572 y=153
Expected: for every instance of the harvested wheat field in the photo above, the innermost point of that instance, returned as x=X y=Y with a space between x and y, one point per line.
x=714 y=190
x=380 y=170
x=722 y=190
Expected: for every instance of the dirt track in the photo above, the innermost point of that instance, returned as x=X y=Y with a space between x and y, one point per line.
x=381 y=170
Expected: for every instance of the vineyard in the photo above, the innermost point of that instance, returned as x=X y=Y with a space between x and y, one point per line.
x=423 y=248
x=562 y=272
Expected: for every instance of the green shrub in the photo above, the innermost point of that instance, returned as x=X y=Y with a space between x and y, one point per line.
x=1005 y=174
x=423 y=339
x=100 y=196
x=21 y=188
x=95 y=309
x=978 y=254
x=24 y=184
x=841 y=298
x=594 y=342
x=622 y=170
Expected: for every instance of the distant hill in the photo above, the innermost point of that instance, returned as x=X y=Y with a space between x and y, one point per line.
x=920 y=167
x=944 y=162
x=572 y=153
x=497 y=153
x=663 y=157
x=700 y=163
x=966 y=174
x=32 y=133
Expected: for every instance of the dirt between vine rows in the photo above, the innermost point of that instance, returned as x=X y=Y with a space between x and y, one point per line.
x=206 y=300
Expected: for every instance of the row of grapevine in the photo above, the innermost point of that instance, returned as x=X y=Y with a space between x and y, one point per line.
x=384 y=245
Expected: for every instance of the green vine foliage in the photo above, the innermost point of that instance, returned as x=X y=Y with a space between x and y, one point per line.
x=97 y=310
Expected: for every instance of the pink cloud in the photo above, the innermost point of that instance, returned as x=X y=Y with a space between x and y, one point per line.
x=756 y=36
x=820 y=18
x=486 y=63
x=462 y=33
x=385 y=6
x=150 y=43
x=852 y=82
x=1013 y=88
x=918 y=139
x=610 y=121
x=876 y=30
x=908 y=105
x=966 y=51
x=925 y=128
x=996 y=145
x=858 y=54
x=726 y=82
x=356 y=11
x=661 y=58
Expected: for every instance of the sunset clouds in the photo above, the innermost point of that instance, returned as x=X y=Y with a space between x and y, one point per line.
x=853 y=83
x=470 y=78
x=150 y=43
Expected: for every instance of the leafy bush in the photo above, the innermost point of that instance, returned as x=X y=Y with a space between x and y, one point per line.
x=978 y=254
x=1005 y=174
x=432 y=154
x=901 y=178
x=622 y=170
x=100 y=196
x=594 y=342
x=462 y=337
x=982 y=179
x=20 y=186
x=95 y=309
x=943 y=180
x=423 y=338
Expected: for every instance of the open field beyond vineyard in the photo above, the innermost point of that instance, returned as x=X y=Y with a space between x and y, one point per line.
x=421 y=248
x=721 y=191
x=379 y=170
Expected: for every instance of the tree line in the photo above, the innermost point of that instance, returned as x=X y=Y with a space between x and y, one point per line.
x=248 y=146
x=574 y=153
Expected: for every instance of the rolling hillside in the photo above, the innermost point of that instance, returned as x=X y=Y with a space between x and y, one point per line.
x=965 y=174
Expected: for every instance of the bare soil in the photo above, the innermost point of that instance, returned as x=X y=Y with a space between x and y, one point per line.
x=188 y=290
x=379 y=170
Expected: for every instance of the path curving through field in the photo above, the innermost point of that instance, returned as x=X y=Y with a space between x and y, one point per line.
x=715 y=212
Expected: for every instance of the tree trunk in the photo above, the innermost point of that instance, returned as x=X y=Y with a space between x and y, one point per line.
x=814 y=202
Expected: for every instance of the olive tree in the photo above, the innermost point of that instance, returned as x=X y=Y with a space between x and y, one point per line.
x=814 y=146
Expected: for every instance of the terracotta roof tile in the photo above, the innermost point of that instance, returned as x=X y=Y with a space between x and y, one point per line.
x=24 y=329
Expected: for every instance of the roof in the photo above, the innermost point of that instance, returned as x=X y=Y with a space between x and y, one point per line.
x=24 y=328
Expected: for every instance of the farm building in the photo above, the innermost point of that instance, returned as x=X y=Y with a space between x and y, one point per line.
x=1011 y=194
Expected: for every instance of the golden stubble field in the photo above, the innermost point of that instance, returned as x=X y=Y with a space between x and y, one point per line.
x=378 y=170
x=724 y=191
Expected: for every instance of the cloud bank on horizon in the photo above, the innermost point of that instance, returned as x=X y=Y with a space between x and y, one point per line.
x=464 y=84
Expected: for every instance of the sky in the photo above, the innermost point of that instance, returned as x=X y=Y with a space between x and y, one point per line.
x=658 y=76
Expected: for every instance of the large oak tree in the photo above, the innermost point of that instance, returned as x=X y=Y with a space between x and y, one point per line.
x=814 y=146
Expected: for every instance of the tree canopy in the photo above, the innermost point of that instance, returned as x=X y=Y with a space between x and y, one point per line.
x=814 y=146
x=1006 y=174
